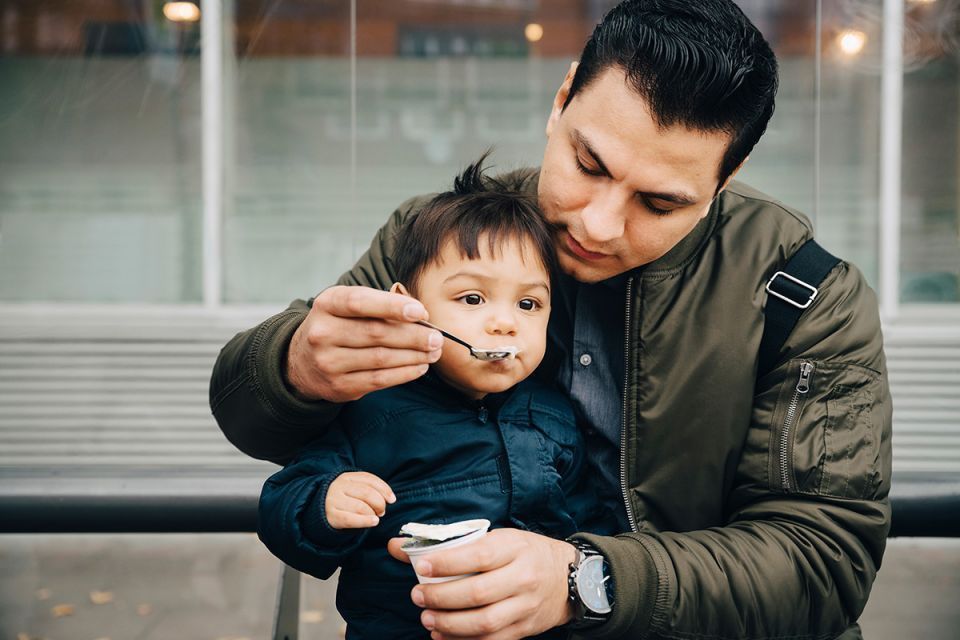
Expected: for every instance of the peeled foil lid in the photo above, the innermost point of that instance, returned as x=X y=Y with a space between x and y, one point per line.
x=443 y=532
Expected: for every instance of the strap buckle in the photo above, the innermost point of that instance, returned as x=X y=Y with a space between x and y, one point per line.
x=801 y=304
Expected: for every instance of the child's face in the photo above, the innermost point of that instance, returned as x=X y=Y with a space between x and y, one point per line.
x=498 y=300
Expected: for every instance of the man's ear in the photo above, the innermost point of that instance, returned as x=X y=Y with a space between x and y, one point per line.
x=561 y=98
x=732 y=174
x=396 y=287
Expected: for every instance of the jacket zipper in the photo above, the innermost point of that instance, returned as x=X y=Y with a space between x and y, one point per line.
x=793 y=410
x=631 y=518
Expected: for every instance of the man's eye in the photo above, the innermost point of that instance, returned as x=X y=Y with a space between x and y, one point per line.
x=529 y=305
x=472 y=298
x=657 y=210
x=584 y=169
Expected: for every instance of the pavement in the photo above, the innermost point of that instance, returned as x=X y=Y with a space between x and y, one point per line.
x=224 y=587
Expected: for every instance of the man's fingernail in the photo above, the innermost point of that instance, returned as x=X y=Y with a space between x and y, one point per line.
x=428 y=621
x=392 y=499
x=418 y=597
x=436 y=341
x=435 y=355
x=413 y=311
x=424 y=568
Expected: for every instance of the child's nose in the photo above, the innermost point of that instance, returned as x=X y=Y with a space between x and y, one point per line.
x=502 y=322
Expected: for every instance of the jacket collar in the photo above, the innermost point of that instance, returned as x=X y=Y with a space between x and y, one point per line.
x=437 y=388
x=685 y=250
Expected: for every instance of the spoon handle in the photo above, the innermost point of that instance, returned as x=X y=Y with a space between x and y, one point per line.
x=445 y=334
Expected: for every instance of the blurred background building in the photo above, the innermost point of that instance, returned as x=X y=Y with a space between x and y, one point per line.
x=172 y=172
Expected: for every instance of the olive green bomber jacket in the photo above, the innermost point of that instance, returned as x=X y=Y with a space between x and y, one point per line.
x=759 y=510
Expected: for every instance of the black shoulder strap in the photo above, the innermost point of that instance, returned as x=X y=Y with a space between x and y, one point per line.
x=789 y=293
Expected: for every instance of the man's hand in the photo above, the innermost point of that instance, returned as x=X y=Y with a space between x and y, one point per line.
x=356 y=340
x=520 y=589
x=357 y=500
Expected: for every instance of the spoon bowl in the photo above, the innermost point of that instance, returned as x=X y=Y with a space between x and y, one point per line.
x=484 y=355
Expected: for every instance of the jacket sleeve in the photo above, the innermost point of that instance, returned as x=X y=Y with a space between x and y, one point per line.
x=292 y=520
x=253 y=404
x=808 y=515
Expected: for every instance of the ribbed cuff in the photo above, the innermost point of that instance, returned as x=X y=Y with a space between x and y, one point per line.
x=316 y=528
x=641 y=582
x=267 y=359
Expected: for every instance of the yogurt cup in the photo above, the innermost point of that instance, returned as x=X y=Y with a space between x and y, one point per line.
x=419 y=547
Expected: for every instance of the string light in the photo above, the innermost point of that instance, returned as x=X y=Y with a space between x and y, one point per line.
x=181 y=12
x=533 y=32
x=851 y=41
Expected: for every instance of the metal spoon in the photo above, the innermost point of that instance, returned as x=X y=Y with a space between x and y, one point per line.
x=487 y=355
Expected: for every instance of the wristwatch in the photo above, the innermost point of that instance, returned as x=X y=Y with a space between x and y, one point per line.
x=590 y=587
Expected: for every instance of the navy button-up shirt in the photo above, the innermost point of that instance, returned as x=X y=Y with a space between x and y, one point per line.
x=587 y=323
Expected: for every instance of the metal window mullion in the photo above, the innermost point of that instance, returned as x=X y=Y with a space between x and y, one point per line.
x=211 y=58
x=353 y=107
x=817 y=114
x=891 y=145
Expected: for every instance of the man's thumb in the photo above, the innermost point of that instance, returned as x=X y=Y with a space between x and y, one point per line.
x=393 y=548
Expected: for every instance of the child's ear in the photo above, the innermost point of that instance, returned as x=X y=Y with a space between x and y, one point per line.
x=399 y=288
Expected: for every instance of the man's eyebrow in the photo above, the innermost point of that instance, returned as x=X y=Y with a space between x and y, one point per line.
x=583 y=142
x=678 y=198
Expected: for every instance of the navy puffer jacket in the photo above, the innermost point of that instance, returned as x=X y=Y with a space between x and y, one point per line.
x=515 y=458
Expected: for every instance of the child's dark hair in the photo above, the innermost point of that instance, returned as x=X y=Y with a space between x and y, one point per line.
x=478 y=206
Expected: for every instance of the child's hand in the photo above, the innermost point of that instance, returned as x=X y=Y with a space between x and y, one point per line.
x=356 y=500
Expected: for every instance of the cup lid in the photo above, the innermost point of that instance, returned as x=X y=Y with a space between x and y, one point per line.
x=425 y=534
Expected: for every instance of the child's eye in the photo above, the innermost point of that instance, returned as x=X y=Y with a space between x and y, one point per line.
x=528 y=304
x=471 y=298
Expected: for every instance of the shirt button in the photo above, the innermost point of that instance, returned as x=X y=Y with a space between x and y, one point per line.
x=585 y=359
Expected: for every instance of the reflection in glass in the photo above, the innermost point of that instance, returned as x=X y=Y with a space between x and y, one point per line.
x=930 y=215
x=322 y=151
x=99 y=153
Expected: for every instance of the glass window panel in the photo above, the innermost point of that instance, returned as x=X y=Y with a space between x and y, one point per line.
x=849 y=215
x=99 y=153
x=930 y=212
x=782 y=163
x=437 y=83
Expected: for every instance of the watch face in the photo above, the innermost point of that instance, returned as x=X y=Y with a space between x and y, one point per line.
x=592 y=585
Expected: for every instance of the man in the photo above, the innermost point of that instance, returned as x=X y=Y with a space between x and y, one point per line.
x=753 y=503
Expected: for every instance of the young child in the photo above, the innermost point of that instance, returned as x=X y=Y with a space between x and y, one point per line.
x=470 y=439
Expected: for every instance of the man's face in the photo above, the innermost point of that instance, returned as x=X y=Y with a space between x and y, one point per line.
x=500 y=299
x=622 y=191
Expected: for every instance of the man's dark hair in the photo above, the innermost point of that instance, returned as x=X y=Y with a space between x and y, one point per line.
x=697 y=63
x=478 y=207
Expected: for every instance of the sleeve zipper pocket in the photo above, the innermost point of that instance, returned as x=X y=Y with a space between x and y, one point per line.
x=794 y=409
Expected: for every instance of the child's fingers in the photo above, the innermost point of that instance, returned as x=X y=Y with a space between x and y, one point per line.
x=340 y=519
x=368 y=495
x=382 y=487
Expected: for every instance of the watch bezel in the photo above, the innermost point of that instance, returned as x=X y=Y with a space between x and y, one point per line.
x=585 y=562
x=583 y=616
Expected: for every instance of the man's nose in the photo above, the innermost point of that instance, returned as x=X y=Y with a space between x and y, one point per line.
x=603 y=218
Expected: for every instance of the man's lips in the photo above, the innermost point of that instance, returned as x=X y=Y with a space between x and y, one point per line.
x=577 y=249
